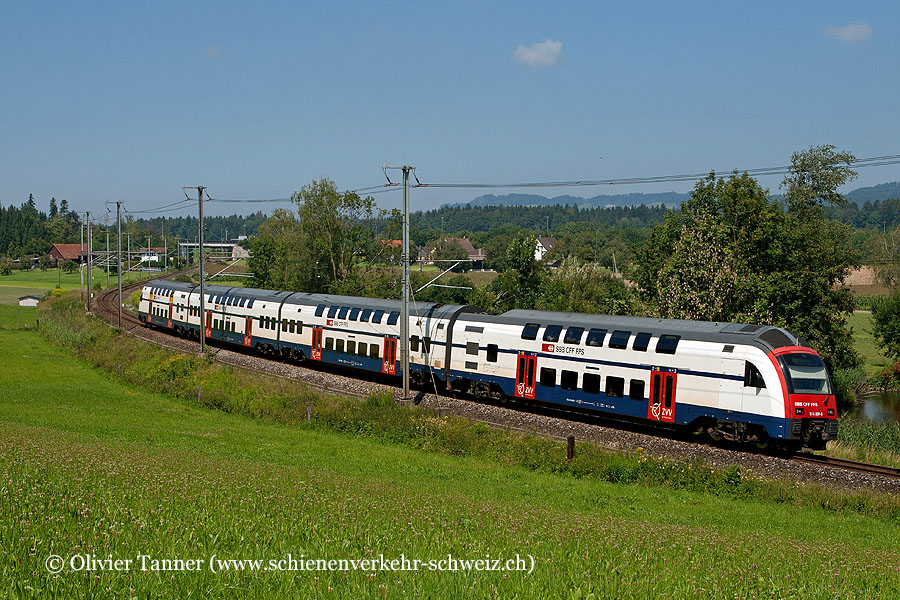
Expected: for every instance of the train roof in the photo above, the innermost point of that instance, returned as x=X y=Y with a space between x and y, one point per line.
x=765 y=337
x=433 y=309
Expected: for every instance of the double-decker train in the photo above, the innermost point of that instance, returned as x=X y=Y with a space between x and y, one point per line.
x=747 y=383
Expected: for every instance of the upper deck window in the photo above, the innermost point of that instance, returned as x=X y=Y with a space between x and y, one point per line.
x=551 y=334
x=529 y=332
x=573 y=335
x=364 y=317
x=641 y=341
x=332 y=311
x=376 y=317
x=320 y=310
x=342 y=314
x=667 y=344
x=354 y=314
x=595 y=337
x=619 y=339
x=393 y=318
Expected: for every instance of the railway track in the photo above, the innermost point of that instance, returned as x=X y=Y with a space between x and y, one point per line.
x=107 y=305
x=847 y=465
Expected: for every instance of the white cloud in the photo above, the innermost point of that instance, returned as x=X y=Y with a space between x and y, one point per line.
x=213 y=52
x=540 y=54
x=854 y=32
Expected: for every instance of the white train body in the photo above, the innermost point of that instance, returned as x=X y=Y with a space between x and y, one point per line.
x=744 y=382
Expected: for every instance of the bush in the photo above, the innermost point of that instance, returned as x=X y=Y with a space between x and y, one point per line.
x=886 y=324
x=849 y=385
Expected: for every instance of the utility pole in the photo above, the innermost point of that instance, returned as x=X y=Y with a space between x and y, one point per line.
x=119 y=254
x=90 y=264
x=200 y=189
x=81 y=265
x=404 y=323
x=105 y=222
x=129 y=252
x=202 y=297
x=404 y=259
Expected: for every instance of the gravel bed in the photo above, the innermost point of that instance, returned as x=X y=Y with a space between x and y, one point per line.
x=758 y=465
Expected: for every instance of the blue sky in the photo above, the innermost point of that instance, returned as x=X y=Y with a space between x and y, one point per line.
x=117 y=100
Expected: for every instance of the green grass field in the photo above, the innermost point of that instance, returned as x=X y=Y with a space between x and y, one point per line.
x=88 y=465
x=873 y=360
x=21 y=283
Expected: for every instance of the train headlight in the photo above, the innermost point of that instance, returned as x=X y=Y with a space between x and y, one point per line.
x=798 y=411
x=830 y=412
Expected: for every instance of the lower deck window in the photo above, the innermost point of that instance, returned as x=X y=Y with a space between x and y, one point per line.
x=373 y=351
x=615 y=387
x=362 y=348
x=568 y=380
x=339 y=346
x=548 y=377
x=636 y=390
x=351 y=347
x=329 y=344
x=591 y=383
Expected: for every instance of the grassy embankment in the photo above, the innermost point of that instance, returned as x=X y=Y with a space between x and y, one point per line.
x=91 y=464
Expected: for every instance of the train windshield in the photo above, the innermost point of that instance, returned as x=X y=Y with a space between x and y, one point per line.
x=806 y=374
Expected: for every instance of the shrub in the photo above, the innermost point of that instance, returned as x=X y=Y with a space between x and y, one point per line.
x=886 y=324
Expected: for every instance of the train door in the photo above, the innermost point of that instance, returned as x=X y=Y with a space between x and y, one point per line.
x=662 y=396
x=171 y=307
x=315 y=350
x=389 y=362
x=209 y=324
x=248 y=331
x=525 y=369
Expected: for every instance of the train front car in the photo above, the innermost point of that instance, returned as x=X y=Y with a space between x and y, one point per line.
x=810 y=403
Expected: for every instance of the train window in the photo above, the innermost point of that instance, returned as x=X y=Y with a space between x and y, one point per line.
x=232 y=325
x=299 y=326
x=293 y=326
x=471 y=365
x=342 y=314
x=492 y=350
x=426 y=344
x=473 y=329
x=615 y=387
x=261 y=322
x=373 y=351
x=393 y=318
x=414 y=343
x=667 y=344
x=752 y=376
x=568 y=380
x=667 y=401
x=551 y=334
x=591 y=383
x=472 y=348
x=364 y=317
x=362 y=348
x=376 y=317
x=619 y=339
x=636 y=389
x=595 y=337
x=548 y=377
x=354 y=314
x=351 y=347
x=284 y=324
x=641 y=341
x=529 y=374
x=339 y=346
x=573 y=335
x=329 y=344
x=320 y=309
x=250 y=304
x=243 y=301
x=529 y=332
x=654 y=389
x=332 y=311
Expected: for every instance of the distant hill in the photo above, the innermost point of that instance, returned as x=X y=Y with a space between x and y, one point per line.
x=875 y=193
x=860 y=196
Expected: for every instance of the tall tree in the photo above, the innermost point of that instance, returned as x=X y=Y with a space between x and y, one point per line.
x=53 y=209
x=734 y=254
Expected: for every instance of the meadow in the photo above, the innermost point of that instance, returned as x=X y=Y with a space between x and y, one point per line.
x=90 y=463
x=37 y=282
